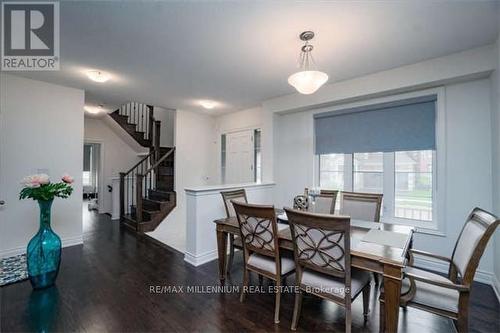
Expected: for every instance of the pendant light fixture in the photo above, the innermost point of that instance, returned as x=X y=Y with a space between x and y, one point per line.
x=307 y=80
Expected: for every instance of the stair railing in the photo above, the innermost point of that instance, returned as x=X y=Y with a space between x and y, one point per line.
x=136 y=182
x=140 y=115
x=129 y=189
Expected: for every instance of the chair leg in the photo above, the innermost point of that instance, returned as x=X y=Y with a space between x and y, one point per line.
x=245 y=284
x=348 y=319
x=376 y=279
x=366 y=300
x=277 y=301
x=296 y=310
x=231 y=255
x=462 y=324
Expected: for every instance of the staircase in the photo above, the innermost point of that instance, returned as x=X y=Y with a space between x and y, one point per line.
x=147 y=193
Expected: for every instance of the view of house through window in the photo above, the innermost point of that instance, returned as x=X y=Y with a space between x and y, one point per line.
x=413 y=185
x=410 y=174
x=368 y=172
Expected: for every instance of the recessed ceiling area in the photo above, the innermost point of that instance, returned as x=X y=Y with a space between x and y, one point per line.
x=173 y=54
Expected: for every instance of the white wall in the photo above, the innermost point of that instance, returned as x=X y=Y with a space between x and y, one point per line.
x=167 y=126
x=41 y=128
x=495 y=97
x=116 y=156
x=497 y=168
x=474 y=63
x=195 y=148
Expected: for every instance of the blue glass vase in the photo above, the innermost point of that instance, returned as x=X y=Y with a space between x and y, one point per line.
x=44 y=251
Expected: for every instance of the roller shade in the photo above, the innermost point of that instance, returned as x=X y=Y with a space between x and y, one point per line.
x=396 y=126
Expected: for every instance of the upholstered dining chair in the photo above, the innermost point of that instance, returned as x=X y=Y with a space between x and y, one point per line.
x=361 y=206
x=261 y=252
x=234 y=243
x=323 y=262
x=324 y=203
x=449 y=296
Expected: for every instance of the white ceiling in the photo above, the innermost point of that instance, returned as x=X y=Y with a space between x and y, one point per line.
x=171 y=54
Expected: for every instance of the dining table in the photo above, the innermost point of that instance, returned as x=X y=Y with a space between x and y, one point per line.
x=381 y=248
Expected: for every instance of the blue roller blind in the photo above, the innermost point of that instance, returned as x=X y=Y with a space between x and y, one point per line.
x=397 y=126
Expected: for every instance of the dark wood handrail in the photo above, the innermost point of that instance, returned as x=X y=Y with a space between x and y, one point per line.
x=139 y=163
x=160 y=161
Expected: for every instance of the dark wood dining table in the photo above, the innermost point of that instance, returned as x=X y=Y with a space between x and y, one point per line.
x=380 y=258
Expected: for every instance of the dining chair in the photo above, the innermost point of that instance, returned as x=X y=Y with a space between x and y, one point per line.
x=448 y=296
x=323 y=262
x=361 y=206
x=234 y=243
x=261 y=252
x=324 y=203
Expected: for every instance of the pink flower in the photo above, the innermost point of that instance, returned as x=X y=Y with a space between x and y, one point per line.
x=67 y=179
x=34 y=181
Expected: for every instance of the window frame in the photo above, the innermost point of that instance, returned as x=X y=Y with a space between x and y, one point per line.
x=437 y=225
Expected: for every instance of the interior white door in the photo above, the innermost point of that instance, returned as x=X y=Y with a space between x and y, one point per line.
x=240 y=157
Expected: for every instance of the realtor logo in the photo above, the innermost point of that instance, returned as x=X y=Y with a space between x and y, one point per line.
x=30 y=36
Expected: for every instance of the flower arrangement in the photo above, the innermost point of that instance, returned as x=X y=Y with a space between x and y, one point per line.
x=39 y=187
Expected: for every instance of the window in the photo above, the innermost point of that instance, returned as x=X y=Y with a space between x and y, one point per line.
x=223 y=158
x=331 y=171
x=413 y=185
x=87 y=164
x=257 y=156
x=368 y=172
x=86 y=178
x=405 y=178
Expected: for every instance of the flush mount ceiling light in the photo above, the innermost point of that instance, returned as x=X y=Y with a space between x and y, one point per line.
x=208 y=104
x=94 y=109
x=307 y=80
x=98 y=76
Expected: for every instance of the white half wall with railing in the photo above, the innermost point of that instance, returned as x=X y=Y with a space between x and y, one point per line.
x=203 y=206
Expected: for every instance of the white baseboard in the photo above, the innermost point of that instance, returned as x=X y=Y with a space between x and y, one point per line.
x=66 y=242
x=441 y=267
x=197 y=260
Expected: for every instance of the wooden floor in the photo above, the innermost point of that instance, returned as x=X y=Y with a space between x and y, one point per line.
x=105 y=285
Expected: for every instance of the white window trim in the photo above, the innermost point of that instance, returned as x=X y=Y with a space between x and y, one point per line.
x=437 y=226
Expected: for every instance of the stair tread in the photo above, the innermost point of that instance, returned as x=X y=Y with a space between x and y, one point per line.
x=132 y=219
x=154 y=200
x=162 y=191
x=145 y=209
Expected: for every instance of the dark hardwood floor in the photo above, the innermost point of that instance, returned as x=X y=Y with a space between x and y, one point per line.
x=105 y=285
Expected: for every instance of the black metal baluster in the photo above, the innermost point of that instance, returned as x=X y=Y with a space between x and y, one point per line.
x=150 y=178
